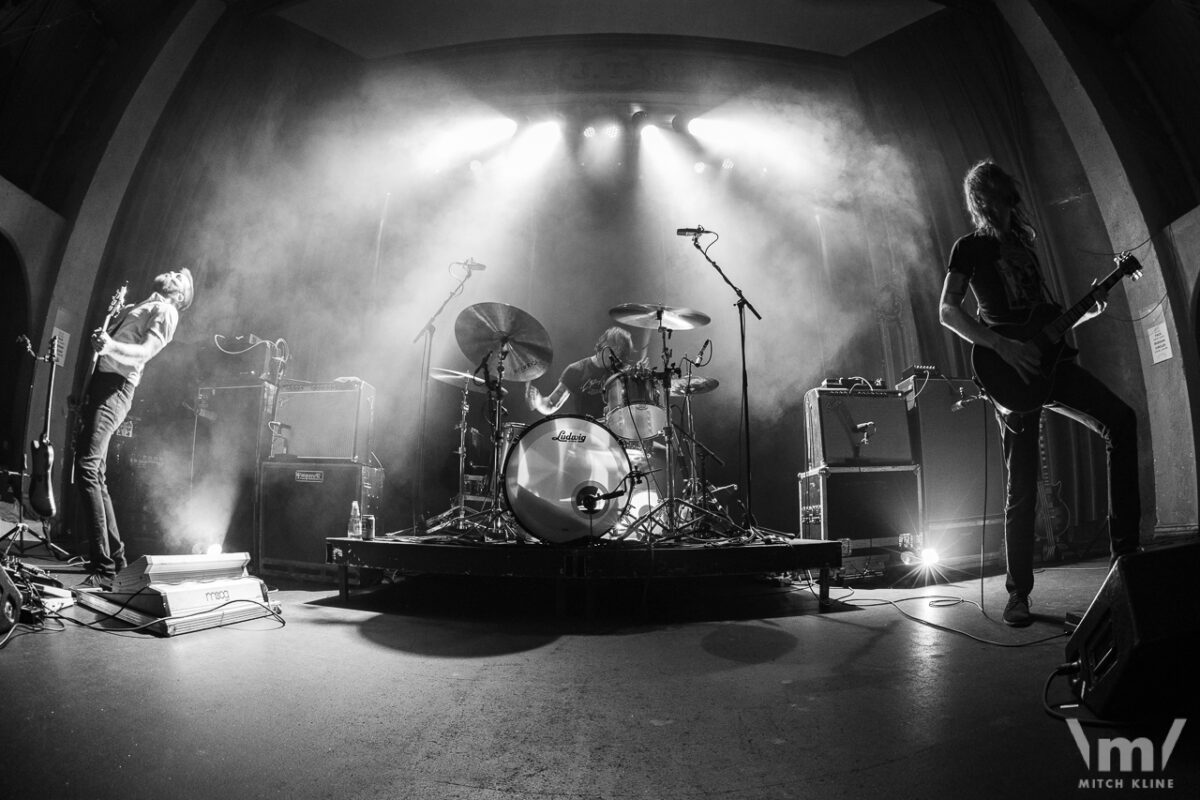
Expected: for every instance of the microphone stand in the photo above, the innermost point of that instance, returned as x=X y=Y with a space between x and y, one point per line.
x=742 y=305
x=427 y=333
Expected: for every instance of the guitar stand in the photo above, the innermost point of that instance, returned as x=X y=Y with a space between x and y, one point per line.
x=20 y=531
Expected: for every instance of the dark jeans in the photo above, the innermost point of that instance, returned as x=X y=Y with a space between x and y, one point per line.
x=109 y=399
x=1079 y=395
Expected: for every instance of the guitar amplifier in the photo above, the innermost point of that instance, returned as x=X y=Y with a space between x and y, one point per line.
x=847 y=428
x=304 y=503
x=328 y=421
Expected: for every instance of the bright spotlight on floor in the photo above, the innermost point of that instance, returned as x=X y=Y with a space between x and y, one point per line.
x=589 y=132
x=699 y=167
x=727 y=164
x=612 y=130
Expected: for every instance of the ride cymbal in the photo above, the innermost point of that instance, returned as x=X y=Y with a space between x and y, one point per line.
x=655 y=316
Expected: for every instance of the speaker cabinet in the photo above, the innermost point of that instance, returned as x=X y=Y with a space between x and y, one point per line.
x=875 y=512
x=962 y=467
x=328 y=421
x=1136 y=643
x=856 y=428
x=304 y=503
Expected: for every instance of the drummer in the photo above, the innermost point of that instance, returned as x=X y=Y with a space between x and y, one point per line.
x=584 y=380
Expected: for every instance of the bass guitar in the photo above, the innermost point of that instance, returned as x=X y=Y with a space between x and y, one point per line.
x=1046 y=326
x=41 y=489
x=77 y=402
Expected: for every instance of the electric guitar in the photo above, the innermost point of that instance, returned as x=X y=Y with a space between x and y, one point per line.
x=77 y=402
x=1053 y=513
x=41 y=489
x=1046 y=326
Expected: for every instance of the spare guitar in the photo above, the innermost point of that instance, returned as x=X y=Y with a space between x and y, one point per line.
x=1053 y=515
x=77 y=402
x=41 y=489
x=1046 y=326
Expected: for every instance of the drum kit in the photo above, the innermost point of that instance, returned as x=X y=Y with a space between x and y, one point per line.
x=633 y=475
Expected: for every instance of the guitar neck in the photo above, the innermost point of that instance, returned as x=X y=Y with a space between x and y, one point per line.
x=52 y=357
x=1059 y=327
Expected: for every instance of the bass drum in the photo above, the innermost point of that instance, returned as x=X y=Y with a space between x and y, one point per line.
x=554 y=472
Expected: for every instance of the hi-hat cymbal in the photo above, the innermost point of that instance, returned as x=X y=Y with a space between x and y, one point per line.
x=694 y=384
x=484 y=329
x=655 y=316
x=460 y=379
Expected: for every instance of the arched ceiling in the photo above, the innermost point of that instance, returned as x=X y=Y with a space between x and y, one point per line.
x=375 y=29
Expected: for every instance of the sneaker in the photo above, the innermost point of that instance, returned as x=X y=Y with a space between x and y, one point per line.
x=95 y=580
x=1016 y=613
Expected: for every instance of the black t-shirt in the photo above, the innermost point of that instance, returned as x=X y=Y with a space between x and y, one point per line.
x=585 y=380
x=1004 y=275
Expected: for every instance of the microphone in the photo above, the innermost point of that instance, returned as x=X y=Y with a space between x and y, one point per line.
x=703 y=349
x=696 y=231
x=964 y=401
x=867 y=429
x=474 y=265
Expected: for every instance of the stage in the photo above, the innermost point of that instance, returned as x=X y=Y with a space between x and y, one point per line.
x=594 y=560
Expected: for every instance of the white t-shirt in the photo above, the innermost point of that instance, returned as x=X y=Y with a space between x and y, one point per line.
x=154 y=316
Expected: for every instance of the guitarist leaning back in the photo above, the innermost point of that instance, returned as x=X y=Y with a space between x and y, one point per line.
x=137 y=334
x=998 y=263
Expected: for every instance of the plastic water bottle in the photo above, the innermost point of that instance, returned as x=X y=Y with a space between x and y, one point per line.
x=354 y=527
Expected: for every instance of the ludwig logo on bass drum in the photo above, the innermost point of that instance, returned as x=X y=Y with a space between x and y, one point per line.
x=568 y=436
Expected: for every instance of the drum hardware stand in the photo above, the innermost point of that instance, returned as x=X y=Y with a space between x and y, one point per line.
x=427 y=332
x=672 y=504
x=491 y=522
x=456 y=515
x=742 y=305
x=484 y=330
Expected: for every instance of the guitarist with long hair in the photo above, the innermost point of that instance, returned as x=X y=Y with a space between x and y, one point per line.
x=998 y=263
x=137 y=334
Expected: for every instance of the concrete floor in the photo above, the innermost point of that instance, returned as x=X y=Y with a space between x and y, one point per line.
x=460 y=688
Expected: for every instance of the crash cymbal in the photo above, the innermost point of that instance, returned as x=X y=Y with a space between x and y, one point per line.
x=484 y=329
x=460 y=379
x=643 y=315
x=694 y=384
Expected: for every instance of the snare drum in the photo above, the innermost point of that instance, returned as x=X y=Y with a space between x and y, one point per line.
x=633 y=405
x=556 y=469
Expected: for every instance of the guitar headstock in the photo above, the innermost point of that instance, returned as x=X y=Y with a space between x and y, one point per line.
x=1129 y=265
x=58 y=350
x=118 y=299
